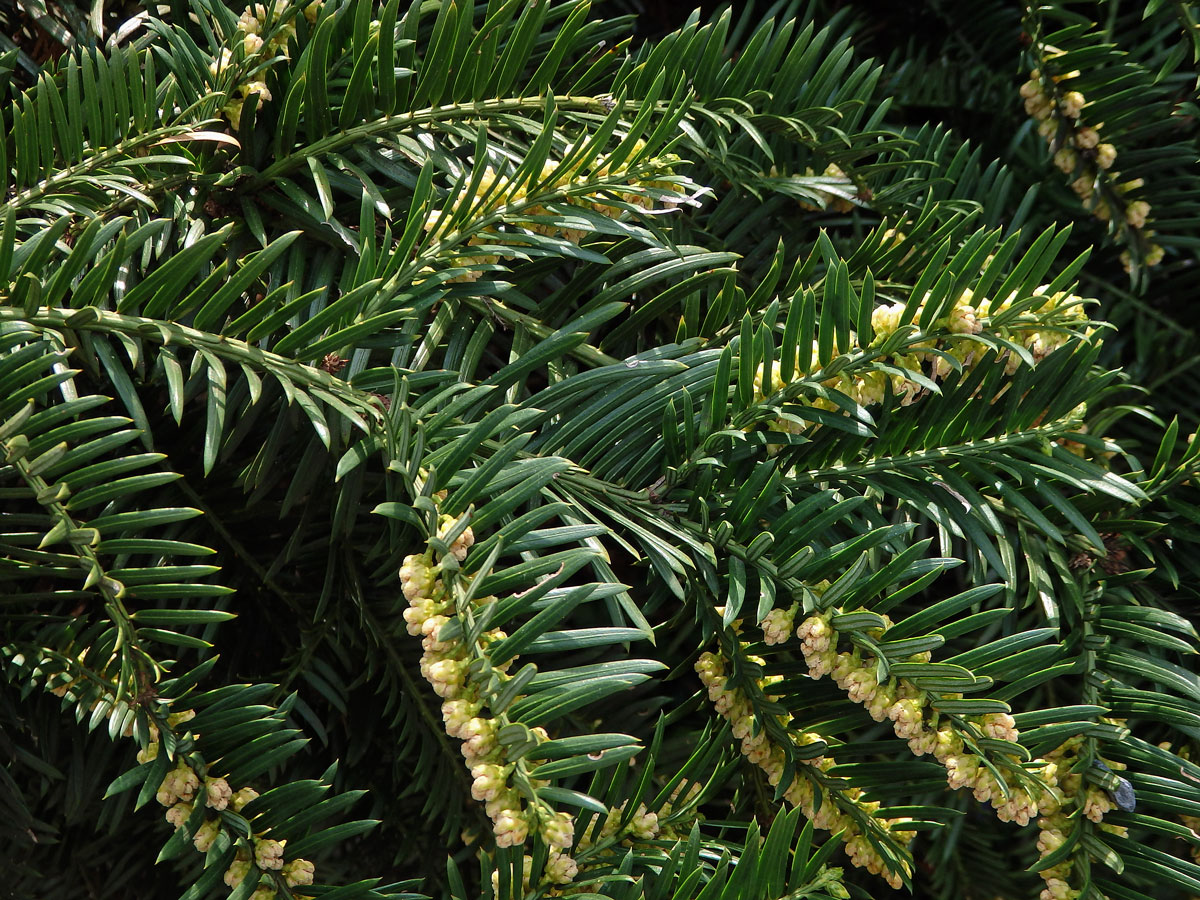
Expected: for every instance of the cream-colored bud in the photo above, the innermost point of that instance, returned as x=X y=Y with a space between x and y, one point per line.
x=1087 y=138
x=559 y=832
x=242 y=797
x=298 y=871
x=1065 y=159
x=1136 y=213
x=206 y=834
x=777 y=626
x=237 y=872
x=268 y=855
x=217 y=793
x=561 y=869
x=179 y=813
x=1073 y=103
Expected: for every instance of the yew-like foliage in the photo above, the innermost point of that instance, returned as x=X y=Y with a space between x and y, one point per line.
x=447 y=450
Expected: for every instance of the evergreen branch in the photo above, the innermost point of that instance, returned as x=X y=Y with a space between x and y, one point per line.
x=166 y=333
x=401 y=122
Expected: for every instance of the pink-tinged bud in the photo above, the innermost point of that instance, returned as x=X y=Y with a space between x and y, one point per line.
x=179 y=813
x=298 y=871
x=561 y=869
x=206 y=835
x=217 y=793
x=559 y=832
x=268 y=855
x=237 y=872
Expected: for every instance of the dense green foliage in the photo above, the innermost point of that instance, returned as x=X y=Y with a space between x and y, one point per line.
x=733 y=447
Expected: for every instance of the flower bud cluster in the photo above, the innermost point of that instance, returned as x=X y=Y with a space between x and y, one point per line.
x=817 y=642
x=1060 y=817
x=298 y=872
x=183 y=787
x=1060 y=311
x=267 y=856
x=620 y=172
x=644 y=824
x=461 y=544
x=495 y=191
x=864 y=388
x=685 y=794
x=965 y=318
x=527 y=867
x=232 y=110
x=804 y=792
x=559 y=869
x=260 y=29
x=1079 y=152
x=969 y=316
x=63 y=686
x=777 y=626
x=434 y=223
x=445 y=664
x=270 y=28
x=830 y=200
x=179 y=784
x=913 y=719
